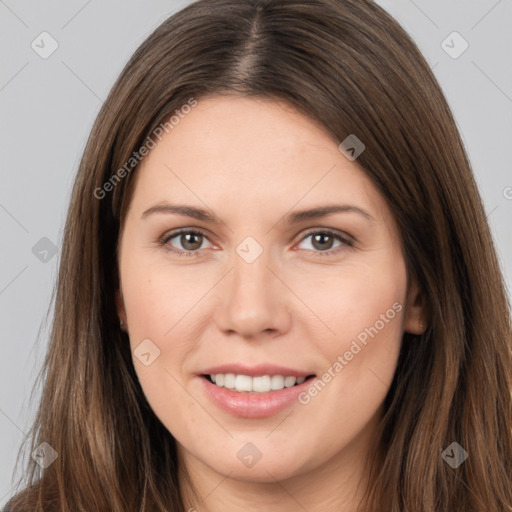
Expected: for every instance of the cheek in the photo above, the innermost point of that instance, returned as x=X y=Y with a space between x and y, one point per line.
x=366 y=315
x=355 y=300
x=157 y=299
x=157 y=302
x=364 y=307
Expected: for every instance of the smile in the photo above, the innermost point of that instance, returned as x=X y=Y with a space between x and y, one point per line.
x=258 y=384
x=257 y=396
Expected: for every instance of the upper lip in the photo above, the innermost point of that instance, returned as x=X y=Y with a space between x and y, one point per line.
x=255 y=370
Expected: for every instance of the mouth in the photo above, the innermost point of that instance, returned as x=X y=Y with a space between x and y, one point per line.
x=256 y=392
x=259 y=384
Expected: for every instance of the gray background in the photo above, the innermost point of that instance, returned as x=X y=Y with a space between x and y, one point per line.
x=48 y=107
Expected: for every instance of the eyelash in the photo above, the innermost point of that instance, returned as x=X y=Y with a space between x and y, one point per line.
x=164 y=241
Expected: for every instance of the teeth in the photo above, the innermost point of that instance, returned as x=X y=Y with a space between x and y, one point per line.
x=277 y=382
x=242 y=383
x=229 y=380
x=260 y=384
x=289 y=382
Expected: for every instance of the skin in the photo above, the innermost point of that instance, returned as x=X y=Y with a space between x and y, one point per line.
x=253 y=162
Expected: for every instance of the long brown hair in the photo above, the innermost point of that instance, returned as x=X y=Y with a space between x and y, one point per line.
x=349 y=65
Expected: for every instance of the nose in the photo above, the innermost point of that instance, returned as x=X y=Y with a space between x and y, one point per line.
x=254 y=300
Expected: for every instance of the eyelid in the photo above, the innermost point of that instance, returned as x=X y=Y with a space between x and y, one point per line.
x=345 y=239
x=164 y=239
x=342 y=235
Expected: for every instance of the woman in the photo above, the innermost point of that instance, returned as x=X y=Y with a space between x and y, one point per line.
x=258 y=372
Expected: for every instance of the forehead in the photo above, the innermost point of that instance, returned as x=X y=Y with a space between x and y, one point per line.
x=238 y=131
x=238 y=152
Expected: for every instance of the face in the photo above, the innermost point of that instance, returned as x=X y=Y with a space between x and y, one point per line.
x=253 y=295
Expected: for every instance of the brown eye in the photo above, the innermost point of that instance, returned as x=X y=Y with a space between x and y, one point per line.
x=191 y=241
x=323 y=242
x=184 y=242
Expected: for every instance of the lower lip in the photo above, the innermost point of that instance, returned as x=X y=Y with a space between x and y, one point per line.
x=253 y=405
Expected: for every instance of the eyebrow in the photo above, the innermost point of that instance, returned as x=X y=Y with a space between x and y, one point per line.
x=292 y=218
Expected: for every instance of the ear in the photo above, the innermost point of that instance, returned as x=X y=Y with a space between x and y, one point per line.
x=415 y=318
x=121 y=311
